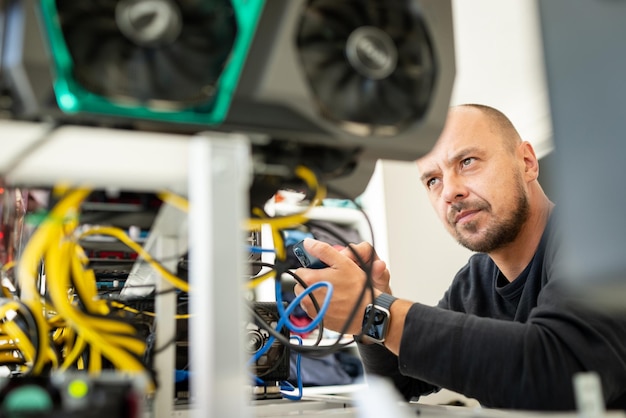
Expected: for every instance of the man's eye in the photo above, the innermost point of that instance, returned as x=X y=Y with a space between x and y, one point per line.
x=467 y=161
x=431 y=182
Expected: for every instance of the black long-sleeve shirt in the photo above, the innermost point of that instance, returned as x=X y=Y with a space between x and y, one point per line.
x=508 y=344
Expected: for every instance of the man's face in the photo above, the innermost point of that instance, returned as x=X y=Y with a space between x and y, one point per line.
x=475 y=183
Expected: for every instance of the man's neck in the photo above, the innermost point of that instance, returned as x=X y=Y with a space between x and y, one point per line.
x=514 y=257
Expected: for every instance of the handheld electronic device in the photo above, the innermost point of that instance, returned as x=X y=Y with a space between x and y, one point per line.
x=306 y=259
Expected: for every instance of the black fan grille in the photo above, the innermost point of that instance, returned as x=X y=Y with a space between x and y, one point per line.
x=390 y=91
x=177 y=69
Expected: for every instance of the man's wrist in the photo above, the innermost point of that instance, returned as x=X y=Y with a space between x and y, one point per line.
x=377 y=320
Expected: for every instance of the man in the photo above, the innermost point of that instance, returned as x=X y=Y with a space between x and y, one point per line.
x=505 y=333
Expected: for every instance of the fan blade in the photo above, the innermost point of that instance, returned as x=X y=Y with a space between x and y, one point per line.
x=177 y=71
x=339 y=17
x=316 y=57
x=392 y=16
x=140 y=70
x=346 y=104
x=396 y=102
x=328 y=82
x=96 y=69
x=369 y=100
x=343 y=92
x=313 y=28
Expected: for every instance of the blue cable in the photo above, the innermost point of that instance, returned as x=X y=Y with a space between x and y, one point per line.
x=286 y=386
x=257 y=249
x=284 y=316
x=284 y=313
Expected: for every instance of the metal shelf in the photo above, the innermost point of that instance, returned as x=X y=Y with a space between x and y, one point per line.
x=206 y=167
x=41 y=155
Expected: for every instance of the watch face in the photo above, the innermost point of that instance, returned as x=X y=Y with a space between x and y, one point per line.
x=378 y=327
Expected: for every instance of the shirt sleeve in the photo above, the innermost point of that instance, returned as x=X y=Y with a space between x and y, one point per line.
x=508 y=364
x=378 y=360
x=382 y=362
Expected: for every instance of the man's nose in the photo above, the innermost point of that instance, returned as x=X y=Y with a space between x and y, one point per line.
x=454 y=189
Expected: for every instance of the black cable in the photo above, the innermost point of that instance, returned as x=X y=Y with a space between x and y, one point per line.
x=158 y=350
x=284 y=354
x=281 y=268
x=365 y=266
x=312 y=351
x=369 y=283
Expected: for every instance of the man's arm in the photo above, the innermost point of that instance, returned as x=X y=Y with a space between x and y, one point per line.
x=507 y=364
x=500 y=362
x=382 y=362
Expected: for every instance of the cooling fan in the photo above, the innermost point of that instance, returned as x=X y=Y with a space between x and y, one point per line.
x=169 y=60
x=348 y=82
x=369 y=63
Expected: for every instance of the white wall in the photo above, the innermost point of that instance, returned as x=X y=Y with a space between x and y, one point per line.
x=499 y=63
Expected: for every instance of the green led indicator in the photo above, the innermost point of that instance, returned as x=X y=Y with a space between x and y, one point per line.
x=68 y=102
x=77 y=389
x=28 y=399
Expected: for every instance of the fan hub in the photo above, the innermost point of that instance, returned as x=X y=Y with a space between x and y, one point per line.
x=372 y=52
x=149 y=22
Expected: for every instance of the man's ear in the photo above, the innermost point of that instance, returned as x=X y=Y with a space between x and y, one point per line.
x=531 y=164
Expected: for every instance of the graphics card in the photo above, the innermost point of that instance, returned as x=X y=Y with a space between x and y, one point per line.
x=338 y=85
x=374 y=74
x=167 y=60
x=159 y=59
x=334 y=85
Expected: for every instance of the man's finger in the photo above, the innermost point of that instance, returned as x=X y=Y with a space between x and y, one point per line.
x=324 y=251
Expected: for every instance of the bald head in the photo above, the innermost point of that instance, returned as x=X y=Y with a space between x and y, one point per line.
x=499 y=124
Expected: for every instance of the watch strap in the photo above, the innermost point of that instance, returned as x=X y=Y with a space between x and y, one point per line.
x=384 y=300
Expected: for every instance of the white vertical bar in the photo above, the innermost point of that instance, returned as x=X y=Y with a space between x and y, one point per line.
x=588 y=393
x=165 y=307
x=218 y=193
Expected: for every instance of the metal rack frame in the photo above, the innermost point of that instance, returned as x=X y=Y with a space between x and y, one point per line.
x=214 y=170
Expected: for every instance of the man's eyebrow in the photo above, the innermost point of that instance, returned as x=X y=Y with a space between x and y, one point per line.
x=462 y=154
x=426 y=175
x=459 y=155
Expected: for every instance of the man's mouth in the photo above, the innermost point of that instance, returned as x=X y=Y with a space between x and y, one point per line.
x=465 y=216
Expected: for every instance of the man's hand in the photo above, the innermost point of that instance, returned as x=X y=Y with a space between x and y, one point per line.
x=347 y=279
x=380 y=274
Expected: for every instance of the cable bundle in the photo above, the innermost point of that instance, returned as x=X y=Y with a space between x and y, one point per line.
x=18 y=334
x=278 y=225
x=60 y=321
x=74 y=328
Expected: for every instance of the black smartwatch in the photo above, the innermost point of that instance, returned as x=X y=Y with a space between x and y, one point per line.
x=375 y=329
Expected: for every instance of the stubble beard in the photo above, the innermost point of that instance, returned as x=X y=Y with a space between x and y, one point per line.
x=499 y=233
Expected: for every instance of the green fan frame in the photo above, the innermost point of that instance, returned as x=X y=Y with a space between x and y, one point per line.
x=72 y=98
